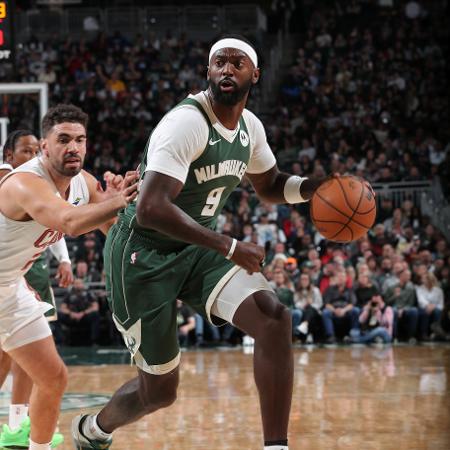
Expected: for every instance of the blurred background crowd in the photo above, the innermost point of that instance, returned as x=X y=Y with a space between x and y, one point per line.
x=363 y=92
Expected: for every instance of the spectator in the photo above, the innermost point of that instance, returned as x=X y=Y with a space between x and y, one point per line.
x=308 y=299
x=339 y=301
x=376 y=321
x=283 y=288
x=365 y=290
x=200 y=325
x=292 y=271
x=185 y=322
x=392 y=279
x=80 y=308
x=402 y=297
x=431 y=302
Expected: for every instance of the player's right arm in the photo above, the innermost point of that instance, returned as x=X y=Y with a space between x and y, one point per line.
x=156 y=210
x=26 y=195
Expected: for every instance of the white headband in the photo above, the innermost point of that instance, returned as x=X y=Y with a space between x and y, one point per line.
x=235 y=43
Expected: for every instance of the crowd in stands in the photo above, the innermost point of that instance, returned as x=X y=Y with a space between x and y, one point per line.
x=366 y=94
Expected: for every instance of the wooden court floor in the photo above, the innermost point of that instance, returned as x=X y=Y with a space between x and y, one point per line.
x=352 y=398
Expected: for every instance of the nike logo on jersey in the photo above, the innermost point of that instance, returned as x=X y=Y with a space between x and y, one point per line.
x=77 y=200
x=211 y=142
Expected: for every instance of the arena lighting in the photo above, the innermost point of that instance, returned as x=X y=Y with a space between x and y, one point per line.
x=6 y=47
x=59 y=2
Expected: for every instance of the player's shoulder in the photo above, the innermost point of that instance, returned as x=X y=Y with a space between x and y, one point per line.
x=86 y=176
x=183 y=120
x=251 y=119
x=186 y=112
x=6 y=167
x=250 y=115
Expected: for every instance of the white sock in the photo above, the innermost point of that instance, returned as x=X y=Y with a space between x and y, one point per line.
x=92 y=431
x=274 y=447
x=17 y=414
x=34 y=446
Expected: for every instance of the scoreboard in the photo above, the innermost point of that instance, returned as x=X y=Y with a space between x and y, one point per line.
x=6 y=47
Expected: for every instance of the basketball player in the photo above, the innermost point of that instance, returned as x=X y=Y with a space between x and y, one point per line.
x=165 y=248
x=40 y=201
x=21 y=146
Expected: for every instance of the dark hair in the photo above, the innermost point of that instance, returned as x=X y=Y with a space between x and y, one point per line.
x=13 y=137
x=63 y=113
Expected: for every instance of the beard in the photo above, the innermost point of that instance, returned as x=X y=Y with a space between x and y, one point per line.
x=66 y=171
x=229 y=98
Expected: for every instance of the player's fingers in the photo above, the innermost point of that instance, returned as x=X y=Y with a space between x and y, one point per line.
x=108 y=177
x=130 y=178
x=131 y=197
x=117 y=180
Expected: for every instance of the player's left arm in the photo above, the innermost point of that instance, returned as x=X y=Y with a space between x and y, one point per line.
x=272 y=185
x=98 y=195
x=64 y=273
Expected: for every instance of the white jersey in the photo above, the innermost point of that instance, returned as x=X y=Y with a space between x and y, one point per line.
x=22 y=242
x=6 y=166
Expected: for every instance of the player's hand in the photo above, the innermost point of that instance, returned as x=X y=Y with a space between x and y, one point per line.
x=129 y=186
x=249 y=256
x=64 y=274
x=113 y=181
x=125 y=186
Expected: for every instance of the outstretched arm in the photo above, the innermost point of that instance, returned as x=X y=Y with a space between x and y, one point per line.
x=156 y=210
x=98 y=195
x=270 y=186
x=19 y=201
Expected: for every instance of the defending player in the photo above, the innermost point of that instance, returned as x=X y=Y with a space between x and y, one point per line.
x=21 y=146
x=41 y=201
x=166 y=248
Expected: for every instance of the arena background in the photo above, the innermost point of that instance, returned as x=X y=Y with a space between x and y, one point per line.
x=354 y=87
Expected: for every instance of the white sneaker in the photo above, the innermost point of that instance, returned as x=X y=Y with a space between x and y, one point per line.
x=303 y=328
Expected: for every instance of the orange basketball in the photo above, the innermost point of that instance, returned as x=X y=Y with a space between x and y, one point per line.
x=343 y=208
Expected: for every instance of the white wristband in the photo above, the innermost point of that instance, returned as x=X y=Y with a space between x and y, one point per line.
x=232 y=249
x=292 y=189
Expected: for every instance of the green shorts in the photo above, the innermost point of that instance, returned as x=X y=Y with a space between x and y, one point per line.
x=143 y=282
x=38 y=278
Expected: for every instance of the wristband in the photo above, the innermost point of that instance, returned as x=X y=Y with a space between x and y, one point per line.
x=292 y=190
x=232 y=249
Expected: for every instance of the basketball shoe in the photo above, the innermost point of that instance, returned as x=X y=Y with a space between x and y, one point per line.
x=20 y=438
x=81 y=442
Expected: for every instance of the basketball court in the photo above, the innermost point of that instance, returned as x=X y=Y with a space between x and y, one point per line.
x=352 y=398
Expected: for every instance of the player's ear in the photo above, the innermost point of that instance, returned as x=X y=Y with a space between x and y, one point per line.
x=256 y=74
x=207 y=73
x=44 y=146
x=8 y=156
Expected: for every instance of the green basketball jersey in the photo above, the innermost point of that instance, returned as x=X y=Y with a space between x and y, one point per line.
x=210 y=180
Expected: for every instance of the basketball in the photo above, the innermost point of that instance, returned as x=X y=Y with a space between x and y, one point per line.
x=343 y=209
